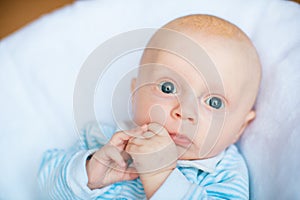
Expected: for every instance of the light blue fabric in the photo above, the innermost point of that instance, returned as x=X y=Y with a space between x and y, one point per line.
x=63 y=175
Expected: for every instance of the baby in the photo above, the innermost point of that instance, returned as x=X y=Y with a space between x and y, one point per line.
x=192 y=99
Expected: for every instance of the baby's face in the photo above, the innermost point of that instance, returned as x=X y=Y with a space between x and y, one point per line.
x=201 y=119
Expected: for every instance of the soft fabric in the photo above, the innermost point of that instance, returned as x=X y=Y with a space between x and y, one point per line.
x=39 y=65
x=63 y=174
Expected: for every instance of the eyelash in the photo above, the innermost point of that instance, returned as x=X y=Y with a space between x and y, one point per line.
x=162 y=82
x=206 y=101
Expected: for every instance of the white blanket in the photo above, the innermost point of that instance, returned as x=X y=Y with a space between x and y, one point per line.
x=40 y=62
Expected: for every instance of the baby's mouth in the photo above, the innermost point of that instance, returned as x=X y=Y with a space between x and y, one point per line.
x=180 y=140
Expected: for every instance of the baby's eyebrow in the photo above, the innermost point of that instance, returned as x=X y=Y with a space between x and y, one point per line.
x=160 y=70
x=214 y=90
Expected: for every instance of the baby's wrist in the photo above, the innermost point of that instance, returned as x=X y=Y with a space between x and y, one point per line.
x=158 y=172
x=152 y=181
x=92 y=169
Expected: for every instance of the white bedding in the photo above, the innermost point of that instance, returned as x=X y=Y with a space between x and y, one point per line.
x=40 y=62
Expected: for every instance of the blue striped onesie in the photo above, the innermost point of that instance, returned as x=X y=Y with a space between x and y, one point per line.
x=63 y=174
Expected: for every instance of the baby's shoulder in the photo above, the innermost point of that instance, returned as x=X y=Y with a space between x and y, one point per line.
x=232 y=155
x=232 y=162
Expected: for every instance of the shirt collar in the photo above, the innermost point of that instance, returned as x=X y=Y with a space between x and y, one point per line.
x=207 y=165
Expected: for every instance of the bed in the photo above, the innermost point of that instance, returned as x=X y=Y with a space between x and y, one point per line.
x=40 y=63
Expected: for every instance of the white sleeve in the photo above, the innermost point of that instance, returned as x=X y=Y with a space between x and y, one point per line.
x=176 y=186
x=62 y=173
x=76 y=177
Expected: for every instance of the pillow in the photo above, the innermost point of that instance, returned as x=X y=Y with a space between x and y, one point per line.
x=39 y=65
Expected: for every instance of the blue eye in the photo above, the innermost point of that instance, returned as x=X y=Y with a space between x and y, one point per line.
x=167 y=87
x=215 y=102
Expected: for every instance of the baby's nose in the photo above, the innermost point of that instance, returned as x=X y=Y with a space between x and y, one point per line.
x=182 y=113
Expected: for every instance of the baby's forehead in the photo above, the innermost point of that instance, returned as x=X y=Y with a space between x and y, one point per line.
x=221 y=52
x=177 y=67
x=226 y=64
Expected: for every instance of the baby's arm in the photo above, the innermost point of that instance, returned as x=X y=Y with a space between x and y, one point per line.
x=63 y=173
x=154 y=155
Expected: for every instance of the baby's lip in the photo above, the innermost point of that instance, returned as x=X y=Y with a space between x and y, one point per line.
x=180 y=140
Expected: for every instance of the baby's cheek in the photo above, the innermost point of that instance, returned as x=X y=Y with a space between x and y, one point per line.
x=141 y=114
x=147 y=112
x=158 y=114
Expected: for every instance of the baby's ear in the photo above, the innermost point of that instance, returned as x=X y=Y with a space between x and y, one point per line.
x=133 y=84
x=249 y=118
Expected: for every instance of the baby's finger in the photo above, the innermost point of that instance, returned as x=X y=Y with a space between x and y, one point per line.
x=157 y=129
x=119 y=139
x=126 y=157
x=136 y=132
x=113 y=154
x=137 y=141
x=148 y=134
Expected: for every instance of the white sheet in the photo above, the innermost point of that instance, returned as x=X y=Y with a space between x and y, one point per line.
x=39 y=65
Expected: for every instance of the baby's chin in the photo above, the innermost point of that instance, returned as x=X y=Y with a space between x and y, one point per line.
x=190 y=153
x=186 y=153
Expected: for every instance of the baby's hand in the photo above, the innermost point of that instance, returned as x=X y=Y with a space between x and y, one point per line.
x=153 y=150
x=109 y=164
x=154 y=156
